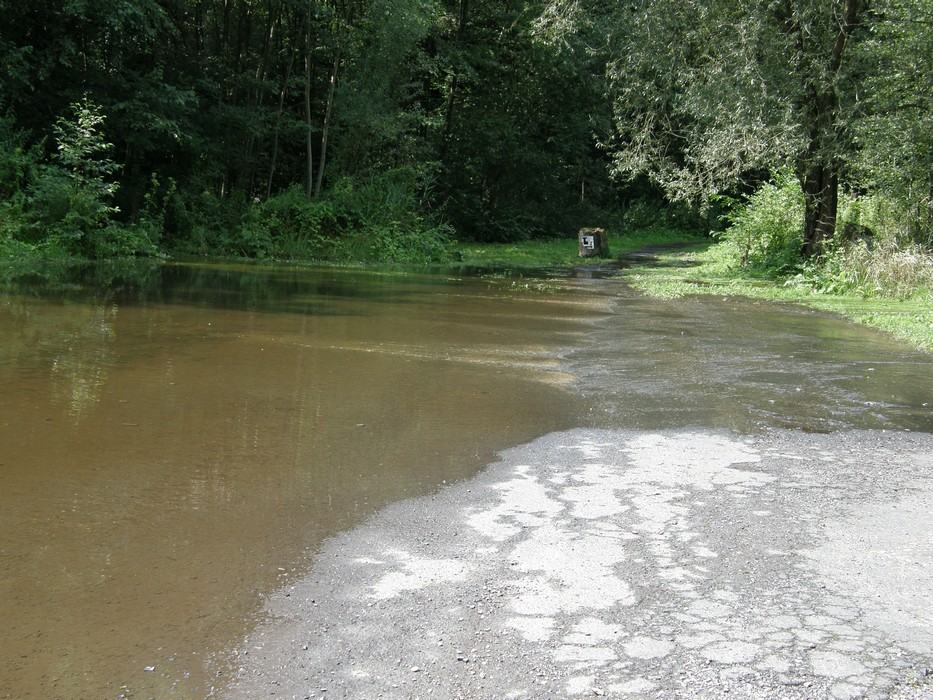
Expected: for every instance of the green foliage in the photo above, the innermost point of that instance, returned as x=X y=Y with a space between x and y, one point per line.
x=895 y=134
x=18 y=166
x=503 y=119
x=17 y=161
x=766 y=233
x=288 y=225
x=69 y=207
x=522 y=99
x=83 y=151
x=886 y=217
x=709 y=95
x=71 y=203
x=701 y=94
x=647 y=214
x=710 y=270
x=375 y=219
x=65 y=208
x=886 y=269
x=385 y=220
x=564 y=251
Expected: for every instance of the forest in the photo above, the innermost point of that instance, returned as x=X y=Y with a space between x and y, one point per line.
x=383 y=130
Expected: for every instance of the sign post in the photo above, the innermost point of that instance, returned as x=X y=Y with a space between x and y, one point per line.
x=593 y=243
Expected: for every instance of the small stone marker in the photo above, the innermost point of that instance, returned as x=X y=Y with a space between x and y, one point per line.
x=593 y=243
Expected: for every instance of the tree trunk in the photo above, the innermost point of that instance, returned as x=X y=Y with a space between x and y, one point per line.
x=819 y=166
x=821 y=198
x=309 y=144
x=327 y=113
x=278 y=124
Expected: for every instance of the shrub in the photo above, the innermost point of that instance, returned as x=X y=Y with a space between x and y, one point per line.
x=65 y=208
x=372 y=219
x=393 y=243
x=886 y=217
x=17 y=163
x=383 y=220
x=767 y=232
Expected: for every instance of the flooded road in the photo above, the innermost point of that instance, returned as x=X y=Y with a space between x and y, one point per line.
x=745 y=365
x=175 y=447
x=169 y=454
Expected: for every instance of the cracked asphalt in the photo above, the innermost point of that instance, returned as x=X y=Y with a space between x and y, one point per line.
x=627 y=564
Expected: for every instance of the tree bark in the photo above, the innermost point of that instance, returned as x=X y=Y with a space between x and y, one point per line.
x=821 y=198
x=309 y=144
x=819 y=166
x=326 y=129
x=278 y=124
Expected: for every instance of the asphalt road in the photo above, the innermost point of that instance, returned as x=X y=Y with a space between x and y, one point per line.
x=626 y=564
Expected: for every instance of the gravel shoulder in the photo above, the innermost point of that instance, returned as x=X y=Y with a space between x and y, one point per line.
x=626 y=564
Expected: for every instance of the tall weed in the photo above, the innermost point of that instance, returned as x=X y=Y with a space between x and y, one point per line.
x=886 y=269
x=766 y=233
x=376 y=219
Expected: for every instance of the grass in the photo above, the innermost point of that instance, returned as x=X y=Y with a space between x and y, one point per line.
x=559 y=252
x=707 y=270
x=706 y=267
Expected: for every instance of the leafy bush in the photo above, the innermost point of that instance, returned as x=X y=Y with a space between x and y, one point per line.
x=767 y=232
x=65 y=208
x=376 y=219
x=290 y=225
x=886 y=217
x=17 y=163
x=17 y=170
x=393 y=243
x=882 y=260
x=384 y=220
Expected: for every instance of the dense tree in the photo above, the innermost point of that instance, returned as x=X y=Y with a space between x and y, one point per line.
x=895 y=132
x=710 y=94
x=506 y=118
x=518 y=117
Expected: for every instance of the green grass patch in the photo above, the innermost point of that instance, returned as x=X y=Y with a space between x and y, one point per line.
x=710 y=269
x=562 y=252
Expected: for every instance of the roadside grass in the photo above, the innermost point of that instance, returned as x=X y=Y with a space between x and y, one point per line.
x=708 y=269
x=561 y=252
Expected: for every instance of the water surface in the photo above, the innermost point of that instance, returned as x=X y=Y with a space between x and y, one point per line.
x=177 y=443
x=171 y=448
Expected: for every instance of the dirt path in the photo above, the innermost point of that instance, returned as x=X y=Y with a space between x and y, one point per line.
x=687 y=564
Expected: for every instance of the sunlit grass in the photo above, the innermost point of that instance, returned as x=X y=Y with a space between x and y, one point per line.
x=560 y=252
x=709 y=270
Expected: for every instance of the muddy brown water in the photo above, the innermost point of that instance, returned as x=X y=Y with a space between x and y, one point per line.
x=176 y=443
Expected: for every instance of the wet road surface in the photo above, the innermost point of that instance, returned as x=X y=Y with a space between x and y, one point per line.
x=628 y=564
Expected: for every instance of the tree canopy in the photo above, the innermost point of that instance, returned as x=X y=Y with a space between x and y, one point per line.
x=243 y=125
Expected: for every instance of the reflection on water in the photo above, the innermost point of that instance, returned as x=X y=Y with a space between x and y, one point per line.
x=80 y=369
x=168 y=453
x=176 y=443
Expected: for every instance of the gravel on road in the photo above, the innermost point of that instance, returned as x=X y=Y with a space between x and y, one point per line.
x=626 y=564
